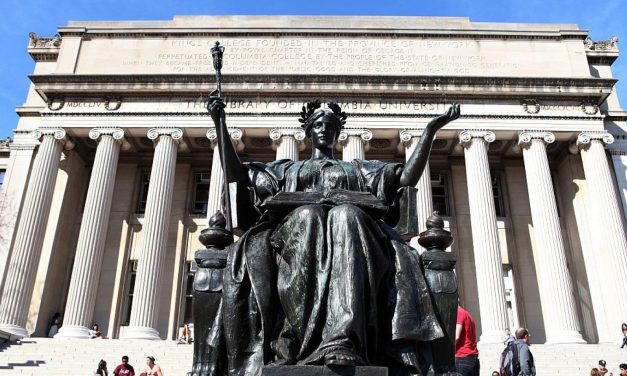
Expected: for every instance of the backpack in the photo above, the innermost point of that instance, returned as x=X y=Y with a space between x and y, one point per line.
x=510 y=363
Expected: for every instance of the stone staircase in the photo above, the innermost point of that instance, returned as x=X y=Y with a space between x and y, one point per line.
x=50 y=357
x=573 y=360
x=54 y=357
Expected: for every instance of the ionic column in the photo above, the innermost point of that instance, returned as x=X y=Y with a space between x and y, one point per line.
x=485 y=239
x=556 y=293
x=81 y=299
x=607 y=226
x=287 y=142
x=354 y=143
x=145 y=310
x=618 y=152
x=214 y=203
x=424 y=199
x=29 y=238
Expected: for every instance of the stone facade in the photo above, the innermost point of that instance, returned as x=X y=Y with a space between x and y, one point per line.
x=111 y=172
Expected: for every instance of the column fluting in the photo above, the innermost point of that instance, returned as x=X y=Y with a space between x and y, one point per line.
x=354 y=143
x=424 y=197
x=485 y=239
x=606 y=223
x=145 y=309
x=29 y=238
x=91 y=239
x=287 y=142
x=216 y=184
x=556 y=293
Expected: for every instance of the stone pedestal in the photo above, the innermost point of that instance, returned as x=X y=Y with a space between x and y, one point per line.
x=556 y=294
x=144 y=313
x=91 y=240
x=323 y=371
x=29 y=238
x=485 y=239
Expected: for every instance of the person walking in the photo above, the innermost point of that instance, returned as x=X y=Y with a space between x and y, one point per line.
x=102 y=368
x=124 y=369
x=623 y=329
x=151 y=368
x=603 y=371
x=466 y=353
x=525 y=358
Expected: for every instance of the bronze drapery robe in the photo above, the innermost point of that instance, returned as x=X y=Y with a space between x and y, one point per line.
x=324 y=275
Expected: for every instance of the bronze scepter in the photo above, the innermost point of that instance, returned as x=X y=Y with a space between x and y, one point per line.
x=223 y=134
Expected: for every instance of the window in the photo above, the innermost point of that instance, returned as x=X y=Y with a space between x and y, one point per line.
x=201 y=192
x=143 y=193
x=497 y=192
x=440 y=194
x=130 y=289
x=188 y=303
x=2 y=173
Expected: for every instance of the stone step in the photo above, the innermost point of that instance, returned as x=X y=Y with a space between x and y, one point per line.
x=50 y=357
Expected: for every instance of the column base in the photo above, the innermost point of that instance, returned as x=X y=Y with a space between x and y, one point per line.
x=73 y=331
x=14 y=330
x=140 y=332
x=565 y=338
x=492 y=337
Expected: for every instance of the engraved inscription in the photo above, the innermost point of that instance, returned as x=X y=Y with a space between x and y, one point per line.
x=306 y=55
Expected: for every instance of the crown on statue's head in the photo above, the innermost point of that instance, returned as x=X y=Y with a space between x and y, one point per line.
x=312 y=111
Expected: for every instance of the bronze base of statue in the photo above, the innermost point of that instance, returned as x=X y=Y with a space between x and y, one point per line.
x=323 y=371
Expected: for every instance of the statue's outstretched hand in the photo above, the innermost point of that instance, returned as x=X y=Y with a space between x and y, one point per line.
x=216 y=109
x=440 y=121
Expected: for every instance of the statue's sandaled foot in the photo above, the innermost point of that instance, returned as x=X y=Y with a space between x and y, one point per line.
x=341 y=357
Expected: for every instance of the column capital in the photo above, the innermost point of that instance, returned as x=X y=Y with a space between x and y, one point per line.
x=466 y=136
x=116 y=133
x=525 y=138
x=276 y=134
x=364 y=134
x=236 y=137
x=175 y=133
x=585 y=139
x=59 y=134
x=406 y=135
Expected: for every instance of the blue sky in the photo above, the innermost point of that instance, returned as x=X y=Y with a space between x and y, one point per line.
x=19 y=17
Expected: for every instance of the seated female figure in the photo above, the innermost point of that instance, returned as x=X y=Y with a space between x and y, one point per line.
x=321 y=278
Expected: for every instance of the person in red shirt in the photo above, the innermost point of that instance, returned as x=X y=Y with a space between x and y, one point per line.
x=124 y=369
x=466 y=353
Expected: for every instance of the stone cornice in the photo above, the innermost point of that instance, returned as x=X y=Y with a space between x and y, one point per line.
x=44 y=49
x=596 y=89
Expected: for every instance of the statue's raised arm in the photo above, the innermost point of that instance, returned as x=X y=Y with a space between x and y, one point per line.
x=418 y=160
x=231 y=164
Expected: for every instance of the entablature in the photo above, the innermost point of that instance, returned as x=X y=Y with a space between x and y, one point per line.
x=585 y=88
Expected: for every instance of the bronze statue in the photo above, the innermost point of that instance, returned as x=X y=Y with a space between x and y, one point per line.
x=319 y=276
